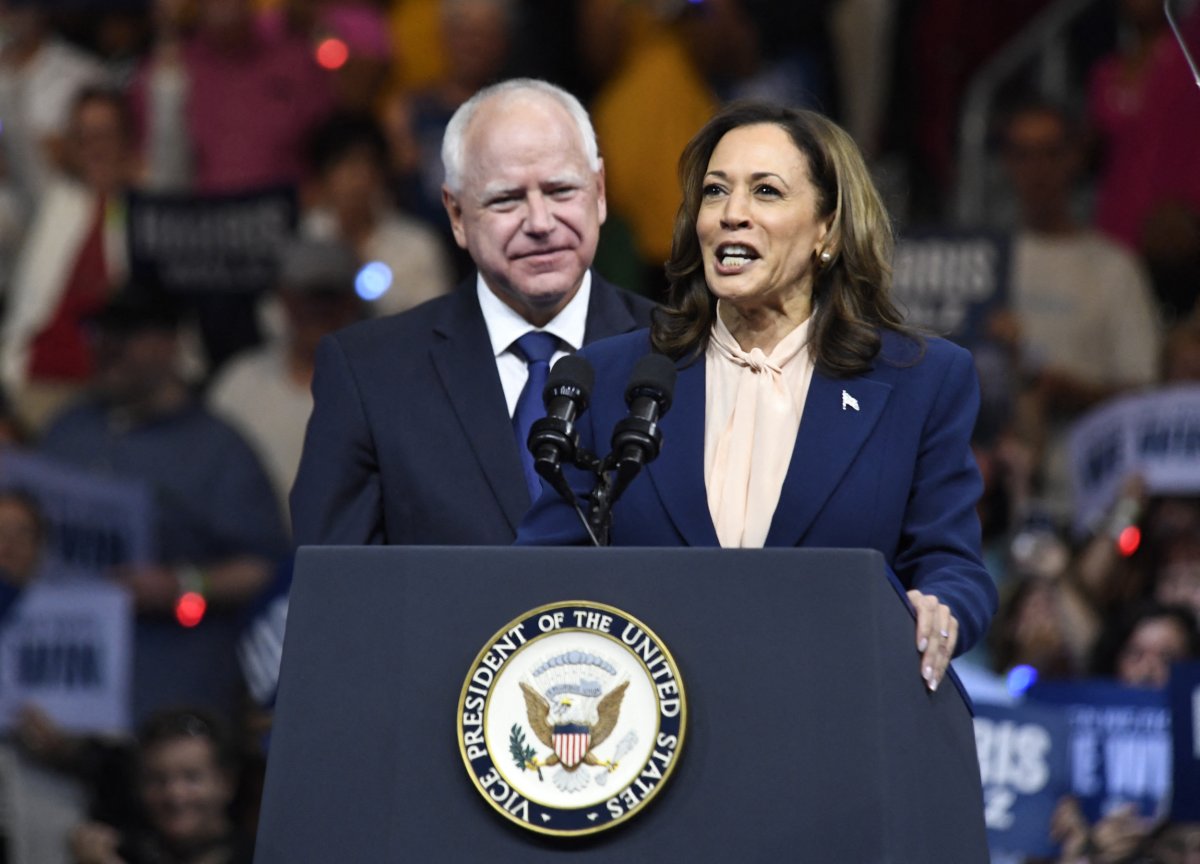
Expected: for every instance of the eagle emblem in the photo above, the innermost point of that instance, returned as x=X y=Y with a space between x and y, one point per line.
x=587 y=704
x=572 y=712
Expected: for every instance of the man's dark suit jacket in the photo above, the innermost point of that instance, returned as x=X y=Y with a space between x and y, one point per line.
x=410 y=440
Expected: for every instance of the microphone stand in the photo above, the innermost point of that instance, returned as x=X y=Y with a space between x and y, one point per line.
x=614 y=474
x=636 y=440
x=565 y=445
x=597 y=519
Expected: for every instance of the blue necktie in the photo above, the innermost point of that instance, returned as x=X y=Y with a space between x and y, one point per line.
x=535 y=348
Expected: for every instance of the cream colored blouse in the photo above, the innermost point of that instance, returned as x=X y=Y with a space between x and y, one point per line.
x=753 y=405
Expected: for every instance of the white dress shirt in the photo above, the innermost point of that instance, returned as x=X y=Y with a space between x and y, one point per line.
x=505 y=326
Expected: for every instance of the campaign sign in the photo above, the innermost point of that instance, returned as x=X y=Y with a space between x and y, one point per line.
x=1155 y=435
x=93 y=523
x=67 y=648
x=196 y=244
x=1184 y=694
x=951 y=282
x=1023 y=763
x=1120 y=744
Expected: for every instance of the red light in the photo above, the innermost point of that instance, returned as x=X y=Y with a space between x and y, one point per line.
x=1129 y=540
x=190 y=608
x=332 y=53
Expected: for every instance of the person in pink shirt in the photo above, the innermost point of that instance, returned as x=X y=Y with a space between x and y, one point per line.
x=1146 y=107
x=1117 y=94
x=227 y=107
x=351 y=39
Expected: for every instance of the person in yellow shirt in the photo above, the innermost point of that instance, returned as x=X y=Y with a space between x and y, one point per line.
x=645 y=114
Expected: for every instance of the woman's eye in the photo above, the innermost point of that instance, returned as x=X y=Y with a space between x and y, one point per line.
x=767 y=190
x=712 y=190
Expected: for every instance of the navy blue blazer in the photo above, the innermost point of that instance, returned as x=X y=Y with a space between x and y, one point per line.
x=410 y=440
x=894 y=474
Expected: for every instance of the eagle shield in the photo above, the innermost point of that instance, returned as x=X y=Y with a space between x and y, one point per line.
x=572 y=709
x=571 y=743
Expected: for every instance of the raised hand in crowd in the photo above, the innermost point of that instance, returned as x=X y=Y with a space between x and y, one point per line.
x=95 y=843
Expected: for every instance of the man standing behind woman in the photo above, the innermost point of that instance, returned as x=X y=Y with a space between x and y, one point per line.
x=805 y=413
x=417 y=432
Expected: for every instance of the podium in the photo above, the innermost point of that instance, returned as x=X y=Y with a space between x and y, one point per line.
x=810 y=735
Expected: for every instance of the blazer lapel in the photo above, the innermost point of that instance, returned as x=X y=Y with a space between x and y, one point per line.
x=607 y=315
x=464 y=362
x=678 y=472
x=467 y=369
x=839 y=414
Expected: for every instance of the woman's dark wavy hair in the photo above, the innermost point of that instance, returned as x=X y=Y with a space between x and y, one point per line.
x=851 y=294
x=1106 y=653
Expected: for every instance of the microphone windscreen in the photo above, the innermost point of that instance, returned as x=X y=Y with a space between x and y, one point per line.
x=573 y=373
x=654 y=375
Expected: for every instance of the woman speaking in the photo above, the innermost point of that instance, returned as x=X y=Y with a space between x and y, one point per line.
x=805 y=412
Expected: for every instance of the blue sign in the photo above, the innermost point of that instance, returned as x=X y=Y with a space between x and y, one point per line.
x=1120 y=744
x=93 y=522
x=951 y=282
x=1023 y=763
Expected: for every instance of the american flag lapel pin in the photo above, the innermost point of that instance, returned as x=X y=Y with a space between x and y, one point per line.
x=849 y=401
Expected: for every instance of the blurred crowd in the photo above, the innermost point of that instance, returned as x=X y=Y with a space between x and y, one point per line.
x=344 y=102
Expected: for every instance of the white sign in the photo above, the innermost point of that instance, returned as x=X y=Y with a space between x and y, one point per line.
x=68 y=648
x=93 y=522
x=1155 y=435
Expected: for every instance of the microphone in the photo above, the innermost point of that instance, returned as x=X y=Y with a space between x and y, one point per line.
x=637 y=439
x=553 y=439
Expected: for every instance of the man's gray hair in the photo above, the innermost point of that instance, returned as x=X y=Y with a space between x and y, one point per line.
x=452 y=144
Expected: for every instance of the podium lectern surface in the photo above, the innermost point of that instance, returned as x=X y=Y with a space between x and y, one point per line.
x=810 y=736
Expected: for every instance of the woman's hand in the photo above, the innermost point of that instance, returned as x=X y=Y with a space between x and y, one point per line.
x=937 y=633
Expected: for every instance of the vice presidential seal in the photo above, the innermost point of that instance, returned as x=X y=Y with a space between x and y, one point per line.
x=571 y=718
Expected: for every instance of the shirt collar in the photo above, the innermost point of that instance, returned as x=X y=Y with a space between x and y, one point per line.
x=505 y=326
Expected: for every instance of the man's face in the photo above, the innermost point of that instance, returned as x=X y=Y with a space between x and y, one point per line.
x=130 y=365
x=1041 y=161
x=530 y=209
x=353 y=182
x=100 y=144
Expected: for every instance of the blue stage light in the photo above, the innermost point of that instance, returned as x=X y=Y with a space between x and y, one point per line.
x=373 y=280
x=1020 y=679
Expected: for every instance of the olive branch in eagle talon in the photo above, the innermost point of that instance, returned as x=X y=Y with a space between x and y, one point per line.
x=538 y=709
x=524 y=755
